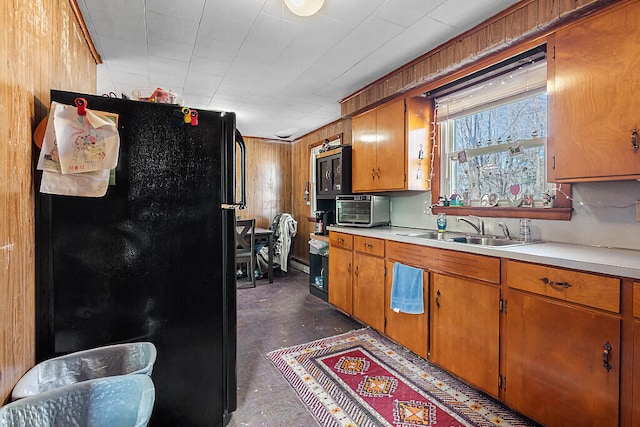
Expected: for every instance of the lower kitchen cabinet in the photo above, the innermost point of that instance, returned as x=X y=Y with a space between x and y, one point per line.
x=368 y=281
x=636 y=355
x=562 y=347
x=409 y=330
x=545 y=340
x=465 y=321
x=340 y=267
x=556 y=362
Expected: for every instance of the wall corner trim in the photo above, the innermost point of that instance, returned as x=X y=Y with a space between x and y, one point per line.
x=85 y=31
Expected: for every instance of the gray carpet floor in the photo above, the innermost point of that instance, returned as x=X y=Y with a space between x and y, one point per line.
x=272 y=316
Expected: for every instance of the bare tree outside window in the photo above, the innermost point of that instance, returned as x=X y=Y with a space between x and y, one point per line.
x=503 y=150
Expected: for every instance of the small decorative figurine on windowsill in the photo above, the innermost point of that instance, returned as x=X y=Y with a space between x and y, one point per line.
x=548 y=200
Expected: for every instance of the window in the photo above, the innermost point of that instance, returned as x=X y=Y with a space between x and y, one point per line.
x=492 y=131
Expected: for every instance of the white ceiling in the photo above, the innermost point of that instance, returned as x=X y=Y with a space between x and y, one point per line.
x=280 y=73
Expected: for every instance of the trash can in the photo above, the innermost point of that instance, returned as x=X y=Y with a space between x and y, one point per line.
x=123 y=401
x=319 y=268
x=118 y=359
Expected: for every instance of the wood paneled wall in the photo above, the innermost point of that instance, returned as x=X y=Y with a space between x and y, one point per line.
x=300 y=170
x=522 y=22
x=42 y=47
x=268 y=165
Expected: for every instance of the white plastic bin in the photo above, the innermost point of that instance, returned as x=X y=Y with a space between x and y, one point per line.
x=119 y=359
x=123 y=401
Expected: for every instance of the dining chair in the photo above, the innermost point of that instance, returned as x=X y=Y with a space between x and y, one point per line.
x=245 y=246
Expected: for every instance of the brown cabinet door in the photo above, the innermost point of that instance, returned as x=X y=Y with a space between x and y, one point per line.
x=636 y=373
x=363 y=151
x=593 y=102
x=390 y=149
x=324 y=184
x=340 y=289
x=336 y=174
x=410 y=330
x=554 y=369
x=465 y=318
x=368 y=290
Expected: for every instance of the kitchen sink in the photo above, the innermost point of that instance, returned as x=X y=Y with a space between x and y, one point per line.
x=431 y=234
x=466 y=239
x=492 y=241
x=421 y=234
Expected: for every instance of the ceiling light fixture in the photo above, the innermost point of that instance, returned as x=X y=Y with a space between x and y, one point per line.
x=304 y=7
x=286 y=133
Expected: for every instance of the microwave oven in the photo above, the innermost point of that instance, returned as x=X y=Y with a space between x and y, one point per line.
x=362 y=210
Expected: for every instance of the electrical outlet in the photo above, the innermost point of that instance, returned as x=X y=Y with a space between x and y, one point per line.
x=637 y=210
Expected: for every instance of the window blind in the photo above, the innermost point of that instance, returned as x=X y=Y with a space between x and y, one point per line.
x=518 y=83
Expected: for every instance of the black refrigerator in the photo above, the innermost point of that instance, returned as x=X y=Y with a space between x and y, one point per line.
x=152 y=260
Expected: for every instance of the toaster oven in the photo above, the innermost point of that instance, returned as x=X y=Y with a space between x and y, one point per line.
x=362 y=210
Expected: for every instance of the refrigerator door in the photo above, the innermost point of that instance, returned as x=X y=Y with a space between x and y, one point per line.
x=153 y=260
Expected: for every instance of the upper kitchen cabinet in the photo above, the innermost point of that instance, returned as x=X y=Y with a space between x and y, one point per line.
x=334 y=172
x=593 y=104
x=391 y=147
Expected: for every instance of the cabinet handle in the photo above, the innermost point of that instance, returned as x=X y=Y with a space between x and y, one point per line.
x=438 y=298
x=605 y=356
x=349 y=268
x=356 y=272
x=340 y=240
x=368 y=245
x=564 y=285
x=634 y=138
x=373 y=173
x=378 y=173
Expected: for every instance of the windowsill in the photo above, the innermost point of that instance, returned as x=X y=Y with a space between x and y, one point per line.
x=559 y=214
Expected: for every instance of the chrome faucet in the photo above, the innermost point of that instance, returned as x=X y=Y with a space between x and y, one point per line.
x=505 y=229
x=479 y=227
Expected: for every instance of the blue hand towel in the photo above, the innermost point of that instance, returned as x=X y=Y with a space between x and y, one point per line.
x=406 y=289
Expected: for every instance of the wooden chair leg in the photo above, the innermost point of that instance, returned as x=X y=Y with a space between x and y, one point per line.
x=253 y=270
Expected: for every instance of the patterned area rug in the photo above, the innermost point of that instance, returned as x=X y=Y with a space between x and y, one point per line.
x=362 y=379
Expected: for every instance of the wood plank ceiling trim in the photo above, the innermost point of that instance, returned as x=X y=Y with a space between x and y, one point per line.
x=85 y=31
x=523 y=22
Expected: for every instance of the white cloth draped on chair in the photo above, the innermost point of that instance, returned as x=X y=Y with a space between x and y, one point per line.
x=284 y=228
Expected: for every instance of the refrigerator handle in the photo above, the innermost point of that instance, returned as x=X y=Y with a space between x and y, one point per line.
x=243 y=183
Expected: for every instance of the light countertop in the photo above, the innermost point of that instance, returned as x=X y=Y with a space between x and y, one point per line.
x=611 y=261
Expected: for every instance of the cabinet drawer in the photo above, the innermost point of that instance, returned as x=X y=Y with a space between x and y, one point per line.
x=341 y=240
x=636 y=299
x=582 y=288
x=473 y=266
x=369 y=245
x=414 y=255
x=479 y=267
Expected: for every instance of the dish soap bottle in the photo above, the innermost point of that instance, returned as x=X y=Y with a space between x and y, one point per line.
x=442 y=222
